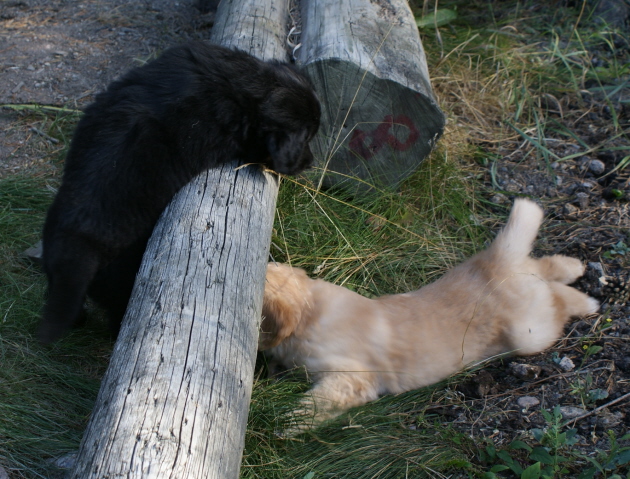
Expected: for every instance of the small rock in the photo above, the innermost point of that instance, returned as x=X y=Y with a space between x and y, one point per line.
x=608 y=420
x=67 y=461
x=570 y=412
x=612 y=13
x=587 y=185
x=526 y=402
x=582 y=199
x=525 y=371
x=485 y=383
x=623 y=363
x=499 y=199
x=582 y=326
x=3 y=473
x=598 y=269
x=566 y=364
x=570 y=188
x=34 y=253
x=512 y=187
x=569 y=210
x=597 y=167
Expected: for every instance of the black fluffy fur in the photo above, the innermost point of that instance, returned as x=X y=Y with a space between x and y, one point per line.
x=193 y=108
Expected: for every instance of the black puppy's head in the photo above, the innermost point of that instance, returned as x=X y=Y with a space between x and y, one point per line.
x=289 y=119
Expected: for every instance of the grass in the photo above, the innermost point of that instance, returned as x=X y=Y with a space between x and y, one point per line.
x=46 y=393
x=505 y=87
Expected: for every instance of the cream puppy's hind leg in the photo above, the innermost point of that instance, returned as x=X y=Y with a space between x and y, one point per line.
x=560 y=268
x=570 y=302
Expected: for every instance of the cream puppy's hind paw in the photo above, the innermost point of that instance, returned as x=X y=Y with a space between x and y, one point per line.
x=562 y=269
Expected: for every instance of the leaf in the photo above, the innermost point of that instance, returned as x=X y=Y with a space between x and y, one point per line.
x=499 y=468
x=571 y=437
x=505 y=456
x=538 y=433
x=557 y=414
x=597 y=394
x=491 y=451
x=520 y=445
x=532 y=472
x=541 y=454
x=310 y=475
x=597 y=468
x=621 y=458
x=588 y=474
x=593 y=349
x=437 y=19
x=618 y=194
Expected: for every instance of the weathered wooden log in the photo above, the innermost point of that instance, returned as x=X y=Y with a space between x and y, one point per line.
x=379 y=115
x=174 y=400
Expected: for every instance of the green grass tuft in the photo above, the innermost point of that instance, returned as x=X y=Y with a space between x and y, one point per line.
x=46 y=393
x=389 y=438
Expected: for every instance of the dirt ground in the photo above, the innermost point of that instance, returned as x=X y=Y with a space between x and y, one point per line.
x=60 y=52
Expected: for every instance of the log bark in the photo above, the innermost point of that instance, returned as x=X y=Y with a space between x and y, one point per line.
x=379 y=115
x=175 y=398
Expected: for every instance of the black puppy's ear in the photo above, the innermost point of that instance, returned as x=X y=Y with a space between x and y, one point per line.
x=289 y=151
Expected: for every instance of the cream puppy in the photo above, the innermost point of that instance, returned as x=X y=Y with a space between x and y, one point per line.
x=356 y=349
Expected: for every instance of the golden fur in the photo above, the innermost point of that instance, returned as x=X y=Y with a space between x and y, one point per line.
x=356 y=349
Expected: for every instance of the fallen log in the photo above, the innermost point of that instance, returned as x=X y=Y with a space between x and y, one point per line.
x=379 y=115
x=175 y=398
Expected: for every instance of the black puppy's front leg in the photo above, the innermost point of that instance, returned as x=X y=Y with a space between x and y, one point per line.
x=70 y=266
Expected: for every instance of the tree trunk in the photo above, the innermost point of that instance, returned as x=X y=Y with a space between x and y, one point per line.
x=174 y=400
x=379 y=116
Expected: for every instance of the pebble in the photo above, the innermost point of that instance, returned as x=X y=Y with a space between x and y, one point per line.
x=570 y=412
x=525 y=371
x=597 y=267
x=499 y=199
x=569 y=210
x=582 y=199
x=608 y=420
x=566 y=364
x=67 y=461
x=3 y=473
x=597 y=167
x=526 y=402
x=512 y=187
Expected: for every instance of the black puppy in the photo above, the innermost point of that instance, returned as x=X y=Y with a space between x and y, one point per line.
x=144 y=138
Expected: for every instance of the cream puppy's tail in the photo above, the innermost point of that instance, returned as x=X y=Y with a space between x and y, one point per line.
x=516 y=239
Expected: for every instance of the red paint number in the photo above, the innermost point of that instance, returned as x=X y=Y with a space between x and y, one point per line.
x=367 y=144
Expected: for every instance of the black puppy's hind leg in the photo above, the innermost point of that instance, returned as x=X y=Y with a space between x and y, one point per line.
x=70 y=266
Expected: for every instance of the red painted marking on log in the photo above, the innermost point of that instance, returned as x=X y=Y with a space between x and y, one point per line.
x=412 y=137
x=357 y=144
x=381 y=136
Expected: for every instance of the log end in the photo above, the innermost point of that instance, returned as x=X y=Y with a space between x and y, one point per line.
x=375 y=132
